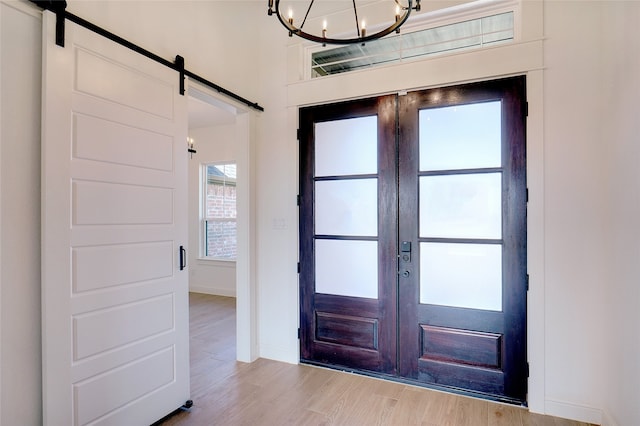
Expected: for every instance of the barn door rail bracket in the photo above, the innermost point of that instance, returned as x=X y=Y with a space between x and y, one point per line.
x=180 y=68
x=59 y=8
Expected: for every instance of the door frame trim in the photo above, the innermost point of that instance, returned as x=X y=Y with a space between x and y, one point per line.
x=536 y=341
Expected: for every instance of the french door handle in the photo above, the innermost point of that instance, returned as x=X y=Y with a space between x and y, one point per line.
x=405 y=251
x=183 y=257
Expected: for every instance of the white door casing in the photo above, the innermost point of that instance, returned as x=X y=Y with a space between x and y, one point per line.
x=114 y=214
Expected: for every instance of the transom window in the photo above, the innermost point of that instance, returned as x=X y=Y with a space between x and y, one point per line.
x=469 y=34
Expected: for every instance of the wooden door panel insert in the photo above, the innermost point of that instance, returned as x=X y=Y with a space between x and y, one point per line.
x=461 y=346
x=347 y=330
x=467 y=377
x=345 y=357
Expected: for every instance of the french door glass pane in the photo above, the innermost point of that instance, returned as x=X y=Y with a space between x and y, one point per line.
x=460 y=137
x=347 y=207
x=461 y=206
x=461 y=275
x=346 y=147
x=347 y=268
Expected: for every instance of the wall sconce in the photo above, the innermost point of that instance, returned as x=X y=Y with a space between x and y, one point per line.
x=190 y=147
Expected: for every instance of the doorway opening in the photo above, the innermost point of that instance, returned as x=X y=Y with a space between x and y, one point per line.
x=220 y=134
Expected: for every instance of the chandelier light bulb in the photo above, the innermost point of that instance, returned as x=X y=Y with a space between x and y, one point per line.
x=290 y=21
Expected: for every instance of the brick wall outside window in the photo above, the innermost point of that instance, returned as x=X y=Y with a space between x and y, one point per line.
x=221 y=234
x=220 y=211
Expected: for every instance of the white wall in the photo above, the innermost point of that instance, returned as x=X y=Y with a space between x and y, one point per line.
x=213 y=144
x=20 y=381
x=621 y=132
x=277 y=188
x=575 y=210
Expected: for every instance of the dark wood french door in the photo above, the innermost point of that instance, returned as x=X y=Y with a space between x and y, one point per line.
x=413 y=237
x=348 y=236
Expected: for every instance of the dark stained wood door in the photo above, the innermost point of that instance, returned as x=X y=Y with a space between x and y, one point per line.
x=348 y=234
x=413 y=237
x=462 y=208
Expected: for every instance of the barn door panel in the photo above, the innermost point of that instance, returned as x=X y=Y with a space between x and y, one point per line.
x=115 y=300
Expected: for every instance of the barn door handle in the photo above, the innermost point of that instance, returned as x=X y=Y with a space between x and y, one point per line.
x=183 y=257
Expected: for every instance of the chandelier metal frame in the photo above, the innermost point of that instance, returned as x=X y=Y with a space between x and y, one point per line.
x=400 y=19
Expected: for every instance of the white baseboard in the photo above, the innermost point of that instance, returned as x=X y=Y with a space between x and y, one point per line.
x=607 y=420
x=567 y=410
x=212 y=290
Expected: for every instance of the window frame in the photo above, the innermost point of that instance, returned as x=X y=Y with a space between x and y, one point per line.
x=204 y=181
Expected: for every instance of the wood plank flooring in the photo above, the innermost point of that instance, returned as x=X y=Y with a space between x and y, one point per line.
x=227 y=392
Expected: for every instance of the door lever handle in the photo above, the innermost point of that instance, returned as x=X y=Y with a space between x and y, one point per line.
x=405 y=251
x=183 y=258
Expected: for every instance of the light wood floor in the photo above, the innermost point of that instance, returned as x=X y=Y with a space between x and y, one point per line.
x=226 y=392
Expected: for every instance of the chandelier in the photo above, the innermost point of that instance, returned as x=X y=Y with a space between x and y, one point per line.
x=360 y=35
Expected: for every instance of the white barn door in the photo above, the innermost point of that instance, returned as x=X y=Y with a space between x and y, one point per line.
x=115 y=302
